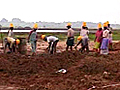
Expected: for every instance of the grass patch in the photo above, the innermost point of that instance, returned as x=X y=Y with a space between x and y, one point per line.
x=63 y=36
x=116 y=35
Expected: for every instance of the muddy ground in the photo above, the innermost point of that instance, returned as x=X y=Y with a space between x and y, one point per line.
x=84 y=71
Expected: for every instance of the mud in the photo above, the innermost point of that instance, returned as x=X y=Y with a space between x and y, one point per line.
x=84 y=71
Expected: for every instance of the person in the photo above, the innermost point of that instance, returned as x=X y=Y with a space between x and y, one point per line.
x=84 y=33
x=52 y=41
x=105 y=41
x=10 y=31
x=70 y=37
x=9 y=41
x=109 y=26
x=98 y=38
x=79 y=41
x=12 y=44
x=32 y=38
x=105 y=31
x=110 y=35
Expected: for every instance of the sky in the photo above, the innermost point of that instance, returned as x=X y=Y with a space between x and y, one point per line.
x=61 y=10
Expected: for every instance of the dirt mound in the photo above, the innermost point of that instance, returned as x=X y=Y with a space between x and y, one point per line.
x=116 y=46
x=39 y=72
x=16 y=68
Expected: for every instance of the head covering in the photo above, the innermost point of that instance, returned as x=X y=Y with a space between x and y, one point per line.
x=69 y=24
x=105 y=24
x=84 y=24
x=35 y=26
x=79 y=37
x=42 y=36
x=99 y=25
x=17 y=41
x=11 y=25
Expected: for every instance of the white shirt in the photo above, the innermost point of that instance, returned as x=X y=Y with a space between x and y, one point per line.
x=51 y=39
x=70 y=32
x=10 y=33
x=106 y=33
x=84 y=33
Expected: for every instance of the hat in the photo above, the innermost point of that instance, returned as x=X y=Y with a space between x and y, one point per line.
x=35 y=26
x=79 y=37
x=17 y=41
x=99 y=25
x=69 y=24
x=11 y=25
x=105 y=24
x=42 y=36
x=84 y=24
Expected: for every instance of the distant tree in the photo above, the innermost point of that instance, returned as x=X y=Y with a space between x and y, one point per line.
x=16 y=20
x=4 y=20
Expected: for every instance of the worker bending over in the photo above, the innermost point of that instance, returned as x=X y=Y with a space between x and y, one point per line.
x=52 y=41
x=79 y=42
x=11 y=43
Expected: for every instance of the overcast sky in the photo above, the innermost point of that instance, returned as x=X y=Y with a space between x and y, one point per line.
x=61 y=10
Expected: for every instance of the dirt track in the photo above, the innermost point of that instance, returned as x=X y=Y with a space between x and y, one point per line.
x=39 y=72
